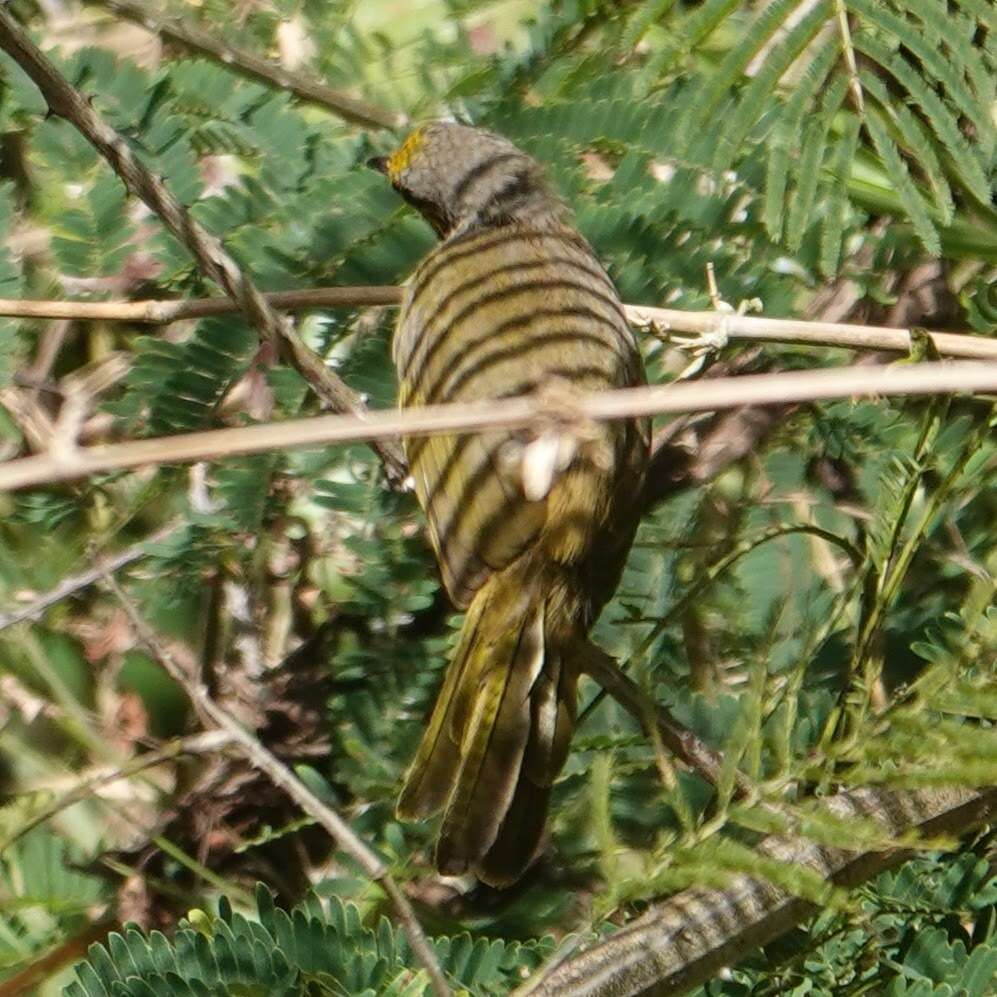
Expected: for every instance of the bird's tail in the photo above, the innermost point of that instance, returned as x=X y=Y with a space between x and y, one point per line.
x=501 y=727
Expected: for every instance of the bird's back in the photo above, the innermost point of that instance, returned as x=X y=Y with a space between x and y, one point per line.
x=506 y=311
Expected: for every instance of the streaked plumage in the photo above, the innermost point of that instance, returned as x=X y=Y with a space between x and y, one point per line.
x=512 y=301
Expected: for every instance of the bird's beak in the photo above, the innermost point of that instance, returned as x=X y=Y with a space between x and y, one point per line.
x=379 y=163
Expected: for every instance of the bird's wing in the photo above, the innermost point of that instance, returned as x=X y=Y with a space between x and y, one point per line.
x=505 y=313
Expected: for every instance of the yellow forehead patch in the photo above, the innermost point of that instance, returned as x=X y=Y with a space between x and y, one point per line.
x=402 y=156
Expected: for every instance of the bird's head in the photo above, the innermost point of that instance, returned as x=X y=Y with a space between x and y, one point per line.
x=459 y=178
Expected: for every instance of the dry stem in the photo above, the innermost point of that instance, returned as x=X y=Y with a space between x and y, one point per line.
x=197 y=744
x=747 y=328
x=795 y=332
x=681 y=741
x=513 y=413
x=358 y=112
x=163 y=311
x=76 y=583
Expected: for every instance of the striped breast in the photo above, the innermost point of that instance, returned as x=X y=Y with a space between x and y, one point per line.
x=497 y=313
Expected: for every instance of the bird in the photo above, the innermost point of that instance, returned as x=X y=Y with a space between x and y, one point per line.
x=530 y=531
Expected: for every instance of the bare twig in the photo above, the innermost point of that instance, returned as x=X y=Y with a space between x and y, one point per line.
x=714 y=292
x=197 y=744
x=80 y=390
x=76 y=583
x=681 y=741
x=280 y=775
x=67 y=102
x=162 y=311
x=848 y=51
x=794 y=332
x=29 y=414
x=747 y=328
x=50 y=342
x=313 y=91
x=512 y=413
x=683 y=941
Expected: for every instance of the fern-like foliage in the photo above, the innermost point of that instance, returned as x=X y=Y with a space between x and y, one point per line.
x=319 y=947
x=804 y=77
x=914 y=947
x=44 y=899
x=880 y=104
x=176 y=386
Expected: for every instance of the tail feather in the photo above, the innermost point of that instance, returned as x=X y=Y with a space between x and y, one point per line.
x=518 y=836
x=494 y=742
x=434 y=768
x=552 y=705
x=501 y=727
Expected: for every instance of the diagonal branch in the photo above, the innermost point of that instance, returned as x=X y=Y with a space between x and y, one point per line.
x=683 y=941
x=197 y=744
x=684 y=456
x=67 y=102
x=848 y=51
x=282 y=776
x=42 y=969
x=655 y=719
x=308 y=89
x=75 y=583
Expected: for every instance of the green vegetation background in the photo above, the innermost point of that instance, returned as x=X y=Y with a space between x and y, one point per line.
x=681 y=133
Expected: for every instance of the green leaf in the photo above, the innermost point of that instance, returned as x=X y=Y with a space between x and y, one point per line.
x=910 y=196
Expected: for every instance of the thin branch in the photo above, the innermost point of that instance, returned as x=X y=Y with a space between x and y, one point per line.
x=43 y=968
x=672 y=468
x=795 y=332
x=50 y=342
x=748 y=328
x=512 y=413
x=282 y=776
x=848 y=51
x=32 y=419
x=163 y=311
x=685 y=940
x=312 y=91
x=681 y=741
x=67 y=102
x=197 y=744
x=76 y=583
